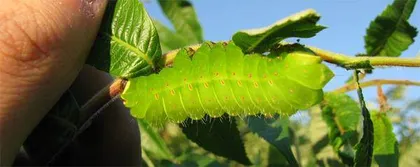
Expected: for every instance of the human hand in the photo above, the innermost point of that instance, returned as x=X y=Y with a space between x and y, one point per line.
x=43 y=46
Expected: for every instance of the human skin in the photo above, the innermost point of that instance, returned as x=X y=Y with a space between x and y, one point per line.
x=43 y=46
x=113 y=139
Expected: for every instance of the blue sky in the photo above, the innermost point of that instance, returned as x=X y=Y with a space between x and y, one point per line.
x=346 y=20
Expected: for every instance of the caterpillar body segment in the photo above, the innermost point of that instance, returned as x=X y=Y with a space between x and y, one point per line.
x=220 y=79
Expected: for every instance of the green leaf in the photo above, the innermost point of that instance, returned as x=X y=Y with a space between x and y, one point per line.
x=364 y=149
x=199 y=161
x=276 y=132
x=391 y=33
x=152 y=142
x=302 y=25
x=347 y=156
x=385 y=147
x=342 y=114
x=276 y=158
x=182 y=15
x=127 y=45
x=316 y=133
x=260 y=152
x=219 y=136
x=169 y=40
x=396 y=92
x=411 y=157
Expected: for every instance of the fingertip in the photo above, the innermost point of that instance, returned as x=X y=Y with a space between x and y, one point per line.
x=91 y=10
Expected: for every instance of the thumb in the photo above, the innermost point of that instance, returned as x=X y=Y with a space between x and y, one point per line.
x=43 y=46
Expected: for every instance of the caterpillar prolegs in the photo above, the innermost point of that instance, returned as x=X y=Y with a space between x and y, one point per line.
x=220 y=79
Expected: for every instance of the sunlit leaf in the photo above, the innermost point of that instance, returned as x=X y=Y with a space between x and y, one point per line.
x=169 y=40
x=302 y=25
x=391 y=33
x=342 y=114
x=127 y=45
x=276 y=132
x=152 y=143
x=219 y=136
x=182 y=15
x=261 y=153
x=385 y=146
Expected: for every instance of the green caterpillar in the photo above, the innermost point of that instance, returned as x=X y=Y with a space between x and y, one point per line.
x=221 y=79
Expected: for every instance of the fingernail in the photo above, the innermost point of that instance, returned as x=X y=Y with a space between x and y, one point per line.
x=91 y=8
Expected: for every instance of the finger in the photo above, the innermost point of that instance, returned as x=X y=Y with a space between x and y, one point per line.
x=43 y=45
x=112 y=138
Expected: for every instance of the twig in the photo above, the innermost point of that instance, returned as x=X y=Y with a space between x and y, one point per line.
x=91 y=110
x=102 y=97
x=146 y=159
x=353 y=86
x=382 y=100
x=347 y=62
x=364 y=62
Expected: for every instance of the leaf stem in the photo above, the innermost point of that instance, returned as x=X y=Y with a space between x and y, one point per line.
x=382 y=99
x=375 y=82
x=146 y=159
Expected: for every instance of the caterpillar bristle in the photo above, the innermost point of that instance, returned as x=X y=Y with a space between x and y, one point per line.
x=221 y=81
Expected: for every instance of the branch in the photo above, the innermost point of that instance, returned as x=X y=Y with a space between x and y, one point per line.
x=353 y=86
x=103 y=96
x=92 y=108
x=347 y=62
x=364 y=62
x=101 y=100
